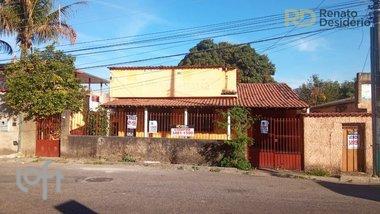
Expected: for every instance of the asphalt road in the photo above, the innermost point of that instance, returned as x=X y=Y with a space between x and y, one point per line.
x=139 y=189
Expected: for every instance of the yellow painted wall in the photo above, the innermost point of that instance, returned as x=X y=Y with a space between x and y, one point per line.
x=207 y=82
x=77 y=121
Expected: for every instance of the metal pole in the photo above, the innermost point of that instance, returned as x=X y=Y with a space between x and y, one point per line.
x=146 y=122
x=229 y=126
x=375 y=76
x=185 y=117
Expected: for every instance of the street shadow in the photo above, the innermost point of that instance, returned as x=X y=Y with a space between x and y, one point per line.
x=369 y=192
x=72 y=206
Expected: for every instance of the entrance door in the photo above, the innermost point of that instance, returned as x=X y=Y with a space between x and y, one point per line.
x=353 y=148
x=277 y=145
x=48 y=137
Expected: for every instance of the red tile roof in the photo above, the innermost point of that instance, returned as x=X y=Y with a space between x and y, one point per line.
x=339 y=114
x=255 y=95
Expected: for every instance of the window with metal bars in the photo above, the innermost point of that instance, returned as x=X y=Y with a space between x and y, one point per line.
x=203 y=120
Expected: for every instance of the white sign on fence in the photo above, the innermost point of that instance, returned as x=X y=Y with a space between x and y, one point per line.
x=131 y=121
x=353 y=140
x=152 y=126
x=264 y=126
x=4 y=125
x=182 y=132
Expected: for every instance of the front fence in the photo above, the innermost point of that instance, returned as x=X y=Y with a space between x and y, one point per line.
x=281 y=147
x=115 y=123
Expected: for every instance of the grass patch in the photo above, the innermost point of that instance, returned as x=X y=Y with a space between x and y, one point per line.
x=215 y=170
x=318 y=172
x=128 y=158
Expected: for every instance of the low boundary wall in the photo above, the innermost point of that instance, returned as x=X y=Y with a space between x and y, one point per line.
x=323 y=139
x=176 y=151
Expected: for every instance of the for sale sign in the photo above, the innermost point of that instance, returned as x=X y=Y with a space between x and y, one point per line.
x=353 y=140
x=131 y=121
x=182 y=132
x=152 y=126
x=264 y=126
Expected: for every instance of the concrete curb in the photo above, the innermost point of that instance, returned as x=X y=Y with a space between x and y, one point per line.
x=213 y=169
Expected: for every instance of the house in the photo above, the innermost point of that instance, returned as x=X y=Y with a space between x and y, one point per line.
x=31 y=137
x=338 y=134
x=185 y=102
x=361 y=102
x=9 y=129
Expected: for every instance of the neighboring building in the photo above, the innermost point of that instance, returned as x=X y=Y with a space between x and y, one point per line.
x=338 y=135
x=361 y=102
x=185 y=102
x=9 y=129
x=10 y=135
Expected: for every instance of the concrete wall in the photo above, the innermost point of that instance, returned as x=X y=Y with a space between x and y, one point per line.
x=28 y=137
x=363 y=91
x=200 y=152
x=205 y=82
x=8 y=133
x=323 y=141
x=345 y=107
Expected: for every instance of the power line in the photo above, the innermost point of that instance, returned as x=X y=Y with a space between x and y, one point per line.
x=183 y=35
x=291 y=30
x=165 y=37
x=181 y=54
x=349 y=3
x=134 y=75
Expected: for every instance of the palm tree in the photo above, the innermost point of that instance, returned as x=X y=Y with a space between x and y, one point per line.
x=35 y=22
x=5 y=47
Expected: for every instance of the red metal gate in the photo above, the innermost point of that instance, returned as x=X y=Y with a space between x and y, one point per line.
x=281 y=147
x=48 y=137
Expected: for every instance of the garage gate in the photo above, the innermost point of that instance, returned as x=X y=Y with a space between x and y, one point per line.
x=281 y=147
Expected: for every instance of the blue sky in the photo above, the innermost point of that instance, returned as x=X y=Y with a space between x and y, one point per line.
x=336 y=55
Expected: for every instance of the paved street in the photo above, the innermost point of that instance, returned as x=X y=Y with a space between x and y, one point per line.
x=139 y=189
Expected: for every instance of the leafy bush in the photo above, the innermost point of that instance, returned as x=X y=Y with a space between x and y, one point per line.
x=240 y=163
x=42 y=84
x=97 y=122
x=240 y=123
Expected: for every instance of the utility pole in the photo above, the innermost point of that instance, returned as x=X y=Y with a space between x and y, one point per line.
x=375 y=77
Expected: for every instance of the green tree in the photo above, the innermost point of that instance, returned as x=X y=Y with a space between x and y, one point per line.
x=240 y=122
x=35 y=21
x=43 y=84
x=317 y=91
x=254 y=67
x=5 y=47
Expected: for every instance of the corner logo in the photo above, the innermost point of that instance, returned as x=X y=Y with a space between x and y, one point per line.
x=327 y=18
x=300 y=17
x=37 y=176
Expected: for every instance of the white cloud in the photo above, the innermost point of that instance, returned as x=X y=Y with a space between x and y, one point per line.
x=136 y=20
x=310 y=45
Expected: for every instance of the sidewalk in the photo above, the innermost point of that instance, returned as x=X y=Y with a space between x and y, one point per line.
x=357 y=178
